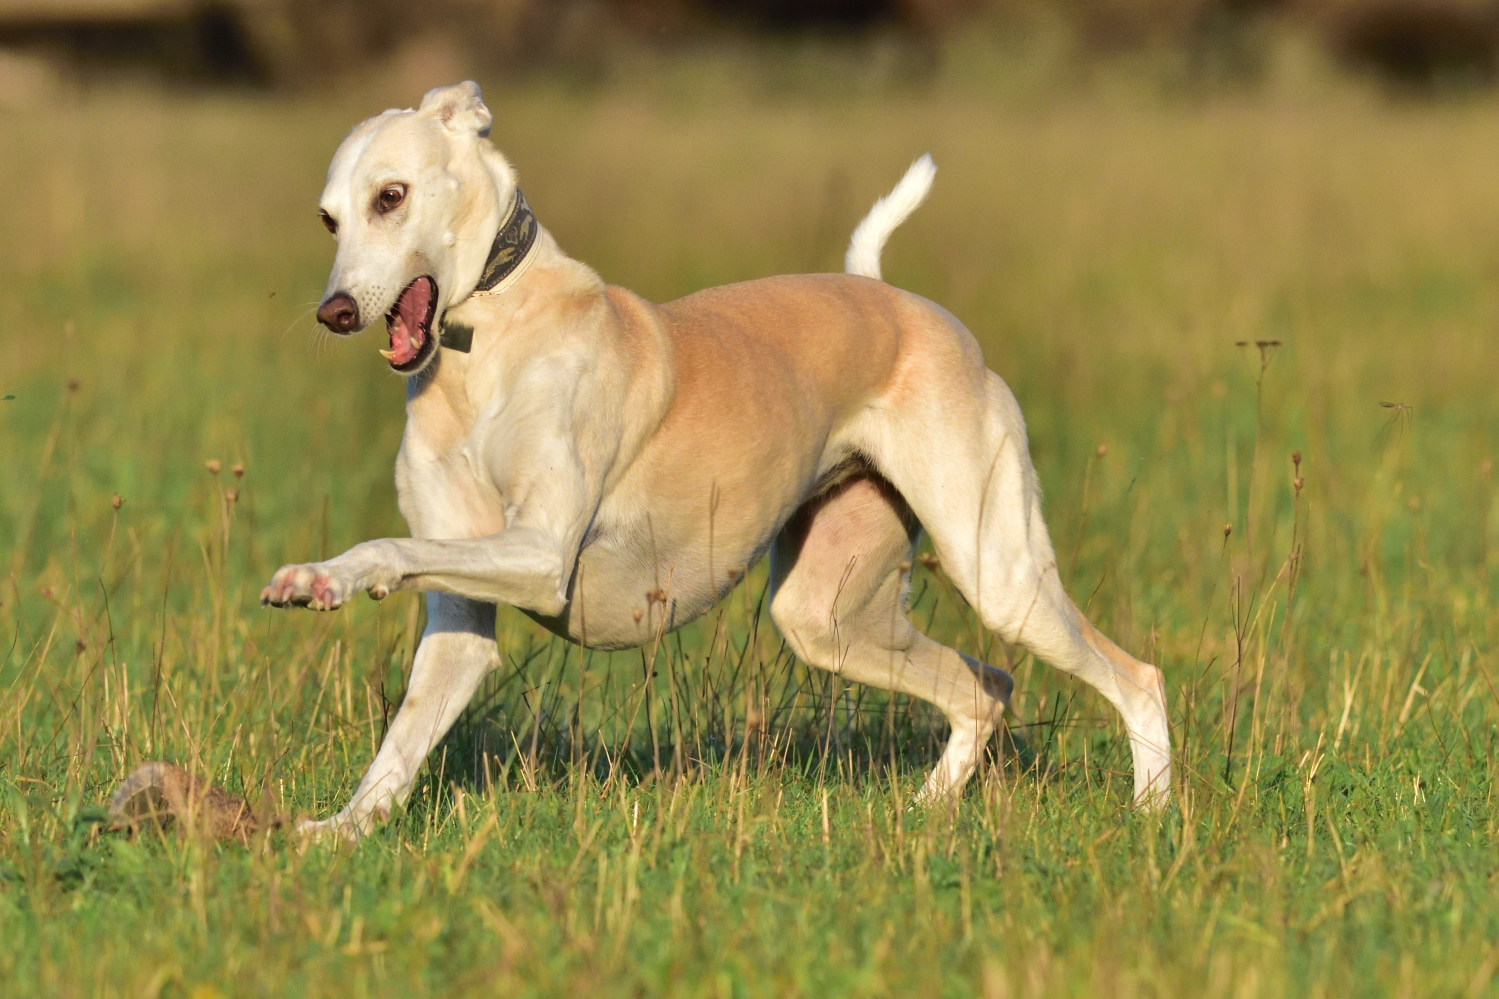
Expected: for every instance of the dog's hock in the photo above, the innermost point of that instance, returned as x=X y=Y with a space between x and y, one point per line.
x=460 y=108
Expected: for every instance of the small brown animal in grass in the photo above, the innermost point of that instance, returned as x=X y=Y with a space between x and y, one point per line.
x=168 y=797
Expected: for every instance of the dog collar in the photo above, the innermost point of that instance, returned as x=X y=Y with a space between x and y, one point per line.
x=507 y=258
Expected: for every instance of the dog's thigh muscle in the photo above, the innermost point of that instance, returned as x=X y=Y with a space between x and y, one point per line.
x=456 y=652
x=839 y=573
x=962 y=462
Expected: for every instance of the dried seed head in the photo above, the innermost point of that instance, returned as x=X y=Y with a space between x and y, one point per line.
x=80 y=646
x=1103 y=449
x=117 y=501
x=232 y=495
x=74 y=385
x=1296 y=459
x=930 y=561
x=238 y=468
x=637 y=617
x=214 y=466
x=1241 y=343
x=735 y=573
x=1228 y=529
x=1298 y=483
x=905 y=567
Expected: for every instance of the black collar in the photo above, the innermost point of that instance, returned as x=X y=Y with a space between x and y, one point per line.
x=512 y=245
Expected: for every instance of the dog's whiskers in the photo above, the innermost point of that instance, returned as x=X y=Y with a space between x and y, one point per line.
x=311 y=308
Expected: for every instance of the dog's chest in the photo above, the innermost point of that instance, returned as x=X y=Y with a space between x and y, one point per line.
x=441 y=497
x=439 y=485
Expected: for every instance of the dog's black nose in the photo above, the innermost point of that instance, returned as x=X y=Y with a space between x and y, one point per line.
x=340 y=313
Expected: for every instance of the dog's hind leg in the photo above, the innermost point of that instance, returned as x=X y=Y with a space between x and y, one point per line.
x=839 y=572
x=457 y=650
x=963 y=465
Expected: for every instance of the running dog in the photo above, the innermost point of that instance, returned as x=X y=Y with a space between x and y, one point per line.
x=612 y=467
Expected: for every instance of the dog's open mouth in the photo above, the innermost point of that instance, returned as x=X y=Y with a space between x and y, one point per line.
x=410 y=326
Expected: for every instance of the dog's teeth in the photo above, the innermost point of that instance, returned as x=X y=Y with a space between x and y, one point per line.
x=389 y=355
x=412 y=340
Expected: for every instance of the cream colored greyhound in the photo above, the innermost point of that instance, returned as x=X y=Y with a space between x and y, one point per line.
x=612 y=467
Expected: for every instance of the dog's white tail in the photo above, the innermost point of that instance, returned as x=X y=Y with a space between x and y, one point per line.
x=863 y=256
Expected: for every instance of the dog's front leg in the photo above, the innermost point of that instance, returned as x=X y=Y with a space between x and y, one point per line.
x=522 y=566
x=456 y=652
x=546 y=466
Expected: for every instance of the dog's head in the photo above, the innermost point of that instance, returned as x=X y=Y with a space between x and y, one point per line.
x=414 y=199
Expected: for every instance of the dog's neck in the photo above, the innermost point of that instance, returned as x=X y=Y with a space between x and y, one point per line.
x=513 y=250
x=525 y=269
x=443 y=400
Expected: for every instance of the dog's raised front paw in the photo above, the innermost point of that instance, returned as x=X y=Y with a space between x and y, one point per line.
x=318 y=586
x=311 y=586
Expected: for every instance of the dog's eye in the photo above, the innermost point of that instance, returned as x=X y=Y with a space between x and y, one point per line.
x=391 y=197
x=328 y=222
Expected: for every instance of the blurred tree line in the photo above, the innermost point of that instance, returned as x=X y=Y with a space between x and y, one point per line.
x=287 y=42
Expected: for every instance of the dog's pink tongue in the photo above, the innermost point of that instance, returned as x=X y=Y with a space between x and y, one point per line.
x=406 y=326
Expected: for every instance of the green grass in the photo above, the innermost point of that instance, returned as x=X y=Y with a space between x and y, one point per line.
x=1329 y=663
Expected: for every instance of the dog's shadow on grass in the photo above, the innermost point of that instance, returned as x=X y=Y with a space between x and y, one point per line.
x=491 y=749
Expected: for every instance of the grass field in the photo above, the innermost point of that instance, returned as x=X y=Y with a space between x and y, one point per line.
x=737 y=826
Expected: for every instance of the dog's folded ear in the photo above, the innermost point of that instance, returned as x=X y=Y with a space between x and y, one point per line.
x=460 y=108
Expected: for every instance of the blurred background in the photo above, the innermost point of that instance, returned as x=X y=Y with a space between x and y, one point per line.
x=286 y=44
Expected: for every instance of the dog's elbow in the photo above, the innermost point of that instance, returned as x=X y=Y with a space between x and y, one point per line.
x=547 y=576
x=554 y=586
x=551 y=607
